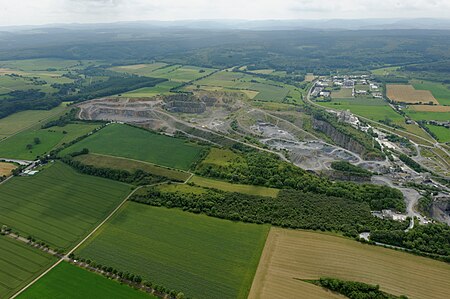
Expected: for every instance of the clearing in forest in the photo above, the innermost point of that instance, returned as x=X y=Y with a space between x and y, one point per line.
x=201 y=256
x=291 y=255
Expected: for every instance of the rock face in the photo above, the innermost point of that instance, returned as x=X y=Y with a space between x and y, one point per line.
x=338 y=137
x=184 y=103
x=440 y=210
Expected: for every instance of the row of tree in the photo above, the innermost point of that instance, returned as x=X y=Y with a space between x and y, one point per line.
x=292 y=209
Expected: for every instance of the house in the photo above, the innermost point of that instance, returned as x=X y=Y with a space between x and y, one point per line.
x=349 y=84
x=325 y=93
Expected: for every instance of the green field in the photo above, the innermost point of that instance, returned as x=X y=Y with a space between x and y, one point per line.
x=427 y=115
x=439 y=90
x=103 y=161
x=139 y=144
x=16 y=146
x=176 y=73
x=225 y=186
x=160 y=89
x=19 y=264
x=25 y=119
x=376 y=110
x=342 y=93
x=58 y=205
x=70 y=281
x=442 y=133
x=201 y=256
x=266 y=90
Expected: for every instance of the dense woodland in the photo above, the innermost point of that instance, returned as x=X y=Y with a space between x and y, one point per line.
x=264 y=169
x=354 y=289
x=293 y=209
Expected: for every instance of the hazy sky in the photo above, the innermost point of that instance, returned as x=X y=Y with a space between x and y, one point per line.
x=21 y=12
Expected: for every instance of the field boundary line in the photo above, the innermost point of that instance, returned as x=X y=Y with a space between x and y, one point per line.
x=66 y=256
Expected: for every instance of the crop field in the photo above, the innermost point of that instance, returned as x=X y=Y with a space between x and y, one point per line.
x=58 y=205
x=6 y=168
x=160 y=89
x=25 y=119
x=70 y=281
x=440 y=91
x=442 y=133
x=343 y=93
x=176 y=73
x=267 y=90
x=16 y=146
x=19 y=264
x=430 y=108
x=139 y=144
x=310 y=77
x=130 y=165
x=201 y=256
x=374 y=109
x=225 y=186
x=426 y=115
x=291 y=255
x=402 y=93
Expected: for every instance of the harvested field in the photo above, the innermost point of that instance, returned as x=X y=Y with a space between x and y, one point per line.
x=430 y=108
x=19 y=264
x=402 y=93
x=310 y=77
x=290 y=255
x=105 y=161
x=240 y=188
x=6 y=168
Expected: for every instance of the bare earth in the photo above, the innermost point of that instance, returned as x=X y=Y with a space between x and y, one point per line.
x=290 y=255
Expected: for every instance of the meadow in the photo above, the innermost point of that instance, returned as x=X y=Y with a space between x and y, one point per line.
x=130 y=165
x=22 y=120
x=290 y=256
x=19 y=264
x=159 y=89
x=442 y=133
x=139 y=144
x=229 y=187
x=342 y=93
x=201 y=256
x=266 y=90
x=16 y=146
x=58 y=205
x=376 y=110
x=70 y=281
x=427 y=115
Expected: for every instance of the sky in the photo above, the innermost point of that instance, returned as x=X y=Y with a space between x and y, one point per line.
x=38 y=12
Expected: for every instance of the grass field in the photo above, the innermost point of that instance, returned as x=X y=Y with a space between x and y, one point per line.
x=25 y=119
x=159 y=89
x=6 y=168
x=266 y=90
x=139 y=144
x=439 y=90
x=442 y=133
x=70 y=281
x=374 y=109
x=131 y=166
x=19 y=264
x=58 y=205
x=225 y=186
x=426 y=115
x=403 y=93
x=291 y=255
x=343 y=93
x=431 y=108
x=201 y=256
x=16 y=146
x=221 y=157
